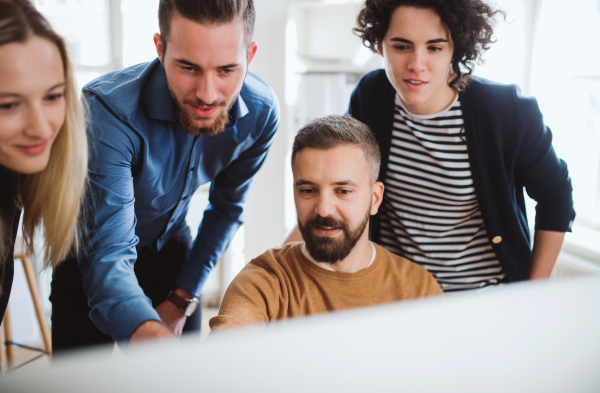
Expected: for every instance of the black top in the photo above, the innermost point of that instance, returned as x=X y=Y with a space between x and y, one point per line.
x=9 y=217
x=510 y=149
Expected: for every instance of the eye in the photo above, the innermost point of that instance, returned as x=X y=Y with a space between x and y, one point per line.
x=400 y=47
x=434 y=48
x=306 y=191
x=8 y=106
x=187 y=68
x=227 y=71
x=54 y=97
x=344 y=191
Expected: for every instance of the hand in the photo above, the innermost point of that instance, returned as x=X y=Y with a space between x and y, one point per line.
x=150 y=330
x=171 y=315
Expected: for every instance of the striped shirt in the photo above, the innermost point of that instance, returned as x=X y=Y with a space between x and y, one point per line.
x=430 y=212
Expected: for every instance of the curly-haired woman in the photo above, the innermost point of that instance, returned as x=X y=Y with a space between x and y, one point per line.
x=457 y=150
x=43 y=145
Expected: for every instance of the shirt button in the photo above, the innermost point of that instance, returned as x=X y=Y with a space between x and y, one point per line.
x=184 y=198
x=193 y=169
x=171 y=220
x=496 y=239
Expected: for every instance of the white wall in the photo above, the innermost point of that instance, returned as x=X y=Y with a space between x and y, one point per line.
x=265 y=223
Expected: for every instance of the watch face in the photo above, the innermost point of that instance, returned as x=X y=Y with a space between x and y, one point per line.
x=192 y=306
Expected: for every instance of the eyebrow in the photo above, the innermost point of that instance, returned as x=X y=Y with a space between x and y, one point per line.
x=189 y=63
x=404 y=40
x=304 y=183
x=345 y=183
x=337 y=183
x=5 y=95
x=61 y=84
x=2 y=95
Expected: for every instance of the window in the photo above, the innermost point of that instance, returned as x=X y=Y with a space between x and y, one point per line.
x=140 y=22
x=104 y=35
x=565 y=77
x=85 y=26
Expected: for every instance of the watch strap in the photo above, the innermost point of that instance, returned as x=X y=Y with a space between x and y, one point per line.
x=180 y=302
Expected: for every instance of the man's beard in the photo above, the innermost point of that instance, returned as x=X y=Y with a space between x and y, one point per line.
x=187 y=122
x=331 y=249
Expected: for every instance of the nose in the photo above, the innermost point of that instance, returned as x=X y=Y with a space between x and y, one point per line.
x=38 y=124
x=416 y=62
x=206 y=90
x=325 y=205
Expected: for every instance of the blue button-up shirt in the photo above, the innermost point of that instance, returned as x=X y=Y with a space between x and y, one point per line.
x=144 y=169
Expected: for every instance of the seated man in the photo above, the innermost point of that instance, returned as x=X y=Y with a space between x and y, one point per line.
x=335 y=161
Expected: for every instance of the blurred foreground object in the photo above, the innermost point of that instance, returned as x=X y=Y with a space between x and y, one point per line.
x=530 y=337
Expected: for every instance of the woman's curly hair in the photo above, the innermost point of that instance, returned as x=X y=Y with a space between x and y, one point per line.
x=470 y=22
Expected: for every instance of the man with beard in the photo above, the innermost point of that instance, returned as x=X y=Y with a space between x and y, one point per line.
x=158 y=131
x=335 y=162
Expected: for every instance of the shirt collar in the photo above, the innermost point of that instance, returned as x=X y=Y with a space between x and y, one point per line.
x=159 y=104
x=157 y=99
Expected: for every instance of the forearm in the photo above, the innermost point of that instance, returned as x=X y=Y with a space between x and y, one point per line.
x=150 y=330
x=214 y=236
x=238 y=310
x=248 y=299
x=546 y=247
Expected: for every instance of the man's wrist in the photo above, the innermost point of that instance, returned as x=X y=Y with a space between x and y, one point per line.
x=187 y=302
x=183 y=293
x=148 y=330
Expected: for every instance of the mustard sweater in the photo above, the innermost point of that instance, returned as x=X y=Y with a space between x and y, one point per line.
x=283 y=283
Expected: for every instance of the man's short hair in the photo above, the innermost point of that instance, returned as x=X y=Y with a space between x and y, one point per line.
x=333 y=131
x=206 y=11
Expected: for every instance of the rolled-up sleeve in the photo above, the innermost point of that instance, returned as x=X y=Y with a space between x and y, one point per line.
x=544 y=175
x=118 y=304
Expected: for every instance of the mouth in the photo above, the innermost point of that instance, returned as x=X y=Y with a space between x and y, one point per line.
x=206 y=111
x=33 y=150
x=414 y=84
x=327 y=231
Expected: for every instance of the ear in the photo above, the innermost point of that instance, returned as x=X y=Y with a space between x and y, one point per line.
x=380 y=49
x=159 y=46
x=252 y=51
x=377 y=190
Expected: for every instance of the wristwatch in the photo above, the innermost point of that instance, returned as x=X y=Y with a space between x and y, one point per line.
x=187 y=306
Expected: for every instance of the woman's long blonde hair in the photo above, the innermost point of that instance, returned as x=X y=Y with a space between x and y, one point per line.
x=51 y=199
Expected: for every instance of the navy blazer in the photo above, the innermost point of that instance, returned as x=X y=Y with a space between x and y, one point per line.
x=510 y=149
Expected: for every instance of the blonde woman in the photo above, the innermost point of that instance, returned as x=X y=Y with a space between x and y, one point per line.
x=43 y=146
